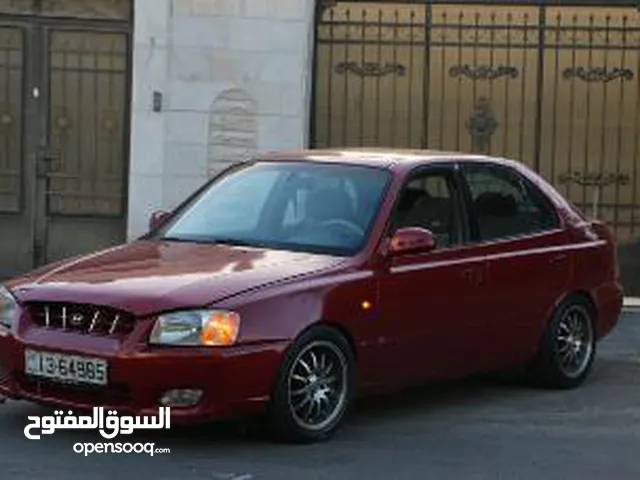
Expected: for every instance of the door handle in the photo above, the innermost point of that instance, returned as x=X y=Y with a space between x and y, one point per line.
x=558 y=259
x=468 y=274
x=473 y=276
x=46 y=162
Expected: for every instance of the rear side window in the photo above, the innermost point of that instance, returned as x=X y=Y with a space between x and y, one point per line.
x=505 y=205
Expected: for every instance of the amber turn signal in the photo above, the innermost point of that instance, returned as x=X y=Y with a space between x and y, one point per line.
x=220 y=329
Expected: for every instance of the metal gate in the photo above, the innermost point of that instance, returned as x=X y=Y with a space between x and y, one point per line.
x=554 y=86
x=64 y=96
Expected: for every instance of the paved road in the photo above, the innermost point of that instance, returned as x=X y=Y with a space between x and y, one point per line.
x=480 y=429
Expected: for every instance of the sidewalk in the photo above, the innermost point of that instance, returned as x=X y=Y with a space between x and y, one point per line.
x=631 y=304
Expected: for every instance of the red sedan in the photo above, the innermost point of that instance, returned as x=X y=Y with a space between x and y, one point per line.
x=293 y=282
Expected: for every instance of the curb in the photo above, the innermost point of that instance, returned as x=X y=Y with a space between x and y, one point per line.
x=631 y=305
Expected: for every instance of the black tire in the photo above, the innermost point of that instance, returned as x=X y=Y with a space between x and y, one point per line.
x=553 y=367
x=288 y=423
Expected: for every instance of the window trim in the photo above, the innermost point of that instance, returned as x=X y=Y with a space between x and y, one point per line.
x=527 y=184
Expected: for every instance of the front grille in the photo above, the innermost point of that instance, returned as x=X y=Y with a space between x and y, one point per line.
x=85 y=319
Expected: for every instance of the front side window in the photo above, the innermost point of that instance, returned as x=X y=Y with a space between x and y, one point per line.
x=304 y=206
x=505 y=205
x=428 y=201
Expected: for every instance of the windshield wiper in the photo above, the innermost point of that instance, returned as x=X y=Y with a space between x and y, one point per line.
x=212 y=240
x=235 y=242
x=180 y=239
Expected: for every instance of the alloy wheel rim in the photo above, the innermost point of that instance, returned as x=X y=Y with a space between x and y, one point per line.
x=317 y=385
x=574 y=341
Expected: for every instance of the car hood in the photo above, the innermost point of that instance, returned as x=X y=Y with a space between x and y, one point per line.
x=146 y=277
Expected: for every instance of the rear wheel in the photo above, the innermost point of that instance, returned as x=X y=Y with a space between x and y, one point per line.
x=314 y=388
x=568 y=346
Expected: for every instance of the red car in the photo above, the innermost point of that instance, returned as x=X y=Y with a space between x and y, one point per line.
x=293 y=282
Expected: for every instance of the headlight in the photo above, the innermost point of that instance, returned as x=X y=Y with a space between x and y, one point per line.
x=8 y=308
x=206 y=328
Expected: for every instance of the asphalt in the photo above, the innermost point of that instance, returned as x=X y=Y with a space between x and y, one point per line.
x=486 y=428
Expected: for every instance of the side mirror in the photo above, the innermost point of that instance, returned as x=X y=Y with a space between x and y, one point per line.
x=157 y=219
x=412 y=240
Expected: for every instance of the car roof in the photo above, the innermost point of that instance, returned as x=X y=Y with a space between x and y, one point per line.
x=396 y=158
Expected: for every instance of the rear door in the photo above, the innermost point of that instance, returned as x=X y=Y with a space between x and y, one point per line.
x=517 y=230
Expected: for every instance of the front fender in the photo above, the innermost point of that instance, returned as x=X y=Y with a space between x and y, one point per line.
x=283 y=312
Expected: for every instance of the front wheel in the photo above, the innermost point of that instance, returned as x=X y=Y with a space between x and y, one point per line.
x=314 y=389
x=568 y=347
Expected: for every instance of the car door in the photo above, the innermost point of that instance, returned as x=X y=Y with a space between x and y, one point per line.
x=433 y=304
x=516 y=228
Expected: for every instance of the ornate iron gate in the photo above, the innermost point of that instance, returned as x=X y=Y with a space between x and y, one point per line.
x=64 y=102
x=556 y=87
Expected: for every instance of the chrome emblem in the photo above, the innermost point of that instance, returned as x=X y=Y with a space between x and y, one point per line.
x=77 y=319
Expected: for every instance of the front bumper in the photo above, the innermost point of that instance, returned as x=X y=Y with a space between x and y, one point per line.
x=235 y=381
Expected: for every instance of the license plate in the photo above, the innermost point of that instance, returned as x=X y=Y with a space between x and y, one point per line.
x=66 y=368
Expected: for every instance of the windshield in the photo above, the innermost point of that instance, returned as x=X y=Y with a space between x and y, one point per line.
x=319 y=208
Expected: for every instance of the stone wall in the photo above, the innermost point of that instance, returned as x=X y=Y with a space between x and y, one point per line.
x=234 y=76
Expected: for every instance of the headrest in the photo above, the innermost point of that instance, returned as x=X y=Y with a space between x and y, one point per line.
x=496 y=205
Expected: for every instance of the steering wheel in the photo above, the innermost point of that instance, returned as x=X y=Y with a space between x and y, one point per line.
x=345 y=224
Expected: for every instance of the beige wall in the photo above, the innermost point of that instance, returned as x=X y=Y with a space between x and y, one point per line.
x=235 y=78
